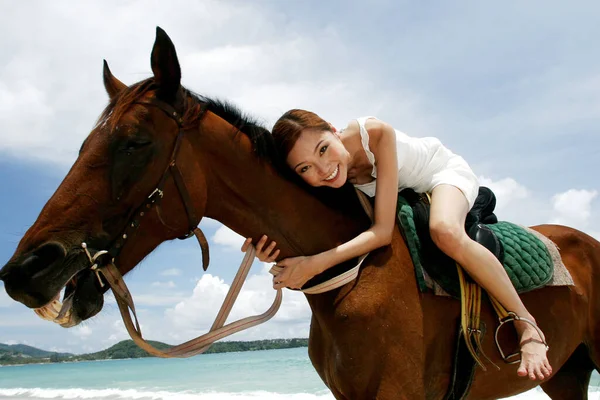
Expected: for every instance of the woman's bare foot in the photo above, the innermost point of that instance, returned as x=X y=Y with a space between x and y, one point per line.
x=534 y=362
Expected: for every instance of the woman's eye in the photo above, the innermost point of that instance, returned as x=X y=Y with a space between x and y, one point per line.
x=304 y=169
x=322 y=150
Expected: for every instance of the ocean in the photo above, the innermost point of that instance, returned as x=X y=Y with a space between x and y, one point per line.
x=265 y=375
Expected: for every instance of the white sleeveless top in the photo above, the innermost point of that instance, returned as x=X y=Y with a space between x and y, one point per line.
x=423 y=163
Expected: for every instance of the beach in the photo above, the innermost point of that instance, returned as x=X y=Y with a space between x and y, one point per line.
x=271 y=374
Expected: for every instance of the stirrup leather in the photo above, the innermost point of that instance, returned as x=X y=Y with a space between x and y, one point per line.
x=470 y=321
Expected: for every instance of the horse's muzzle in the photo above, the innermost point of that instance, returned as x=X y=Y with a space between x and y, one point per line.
x=34 y=278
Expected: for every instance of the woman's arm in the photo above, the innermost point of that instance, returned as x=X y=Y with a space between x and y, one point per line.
x=382 y=141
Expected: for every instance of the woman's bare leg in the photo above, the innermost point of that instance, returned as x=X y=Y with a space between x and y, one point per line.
x=449 y=208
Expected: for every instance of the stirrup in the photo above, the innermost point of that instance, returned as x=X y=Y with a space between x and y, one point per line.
x=509 y=359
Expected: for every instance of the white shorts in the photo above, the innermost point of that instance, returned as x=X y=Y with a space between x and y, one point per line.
x=458 y=173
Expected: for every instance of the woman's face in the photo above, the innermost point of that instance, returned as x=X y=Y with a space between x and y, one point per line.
x=320 y=158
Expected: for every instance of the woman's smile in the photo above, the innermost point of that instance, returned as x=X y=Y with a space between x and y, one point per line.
x=334 y=174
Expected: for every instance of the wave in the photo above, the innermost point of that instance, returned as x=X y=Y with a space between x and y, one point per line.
x=134 y=394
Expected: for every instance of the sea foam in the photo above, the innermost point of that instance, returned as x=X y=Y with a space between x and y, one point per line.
x=133 y=394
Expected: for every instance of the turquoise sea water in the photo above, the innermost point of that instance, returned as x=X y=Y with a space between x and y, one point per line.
x=240 y=376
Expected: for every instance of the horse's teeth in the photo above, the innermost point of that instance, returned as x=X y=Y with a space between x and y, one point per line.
x=50 y=311
x=56 y=306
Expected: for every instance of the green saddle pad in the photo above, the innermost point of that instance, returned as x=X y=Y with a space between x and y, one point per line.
x=526 y=258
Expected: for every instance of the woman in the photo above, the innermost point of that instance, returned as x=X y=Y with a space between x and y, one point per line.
x=380 y=161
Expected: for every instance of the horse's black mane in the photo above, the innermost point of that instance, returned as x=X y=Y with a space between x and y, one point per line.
x=262 y=140
x=264 y=146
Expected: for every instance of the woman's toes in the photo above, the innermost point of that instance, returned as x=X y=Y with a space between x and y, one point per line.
x=540 y=374
x=547 y=370
x=532 y=375
x=522 y=371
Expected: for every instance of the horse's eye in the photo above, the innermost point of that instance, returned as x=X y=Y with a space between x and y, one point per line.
x=136 y=144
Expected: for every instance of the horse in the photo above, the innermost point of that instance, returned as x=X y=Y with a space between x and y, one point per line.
x=377 y=337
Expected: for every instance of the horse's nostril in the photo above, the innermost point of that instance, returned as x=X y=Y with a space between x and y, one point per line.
x=43 y=257
x=32 y=264
x=50 y=251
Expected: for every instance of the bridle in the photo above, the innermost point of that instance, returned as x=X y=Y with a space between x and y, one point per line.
x=103 y=261
x=153 y=200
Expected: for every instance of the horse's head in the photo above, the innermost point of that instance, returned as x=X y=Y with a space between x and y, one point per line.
x=104 y=200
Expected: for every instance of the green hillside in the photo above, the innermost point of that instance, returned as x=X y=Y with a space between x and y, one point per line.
x=124 y=349
x=22 y=354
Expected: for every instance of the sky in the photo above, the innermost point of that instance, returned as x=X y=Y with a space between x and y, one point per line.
x=512 y=86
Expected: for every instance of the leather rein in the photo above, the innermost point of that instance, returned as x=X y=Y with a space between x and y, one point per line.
x=103 y=261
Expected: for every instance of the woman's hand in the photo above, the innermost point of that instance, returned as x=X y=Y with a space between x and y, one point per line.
x=296 y=272
x=264 y=254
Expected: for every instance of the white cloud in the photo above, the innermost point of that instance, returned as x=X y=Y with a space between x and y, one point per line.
x=260 y=72
x=228 y=238
x=273 y=69
x=573 y=207
x=196 y=314
x=119 y=333
x=516 y=203
x=205 y=299
x=82 y=331
x=507 y=191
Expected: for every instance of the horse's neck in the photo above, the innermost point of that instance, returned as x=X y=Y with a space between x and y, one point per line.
x=249 y=197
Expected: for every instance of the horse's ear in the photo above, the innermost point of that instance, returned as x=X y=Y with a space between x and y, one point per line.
x=112 y=85
x=165 y=66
